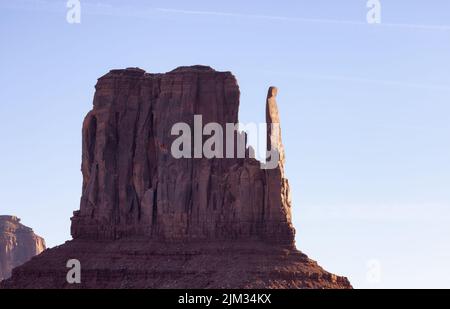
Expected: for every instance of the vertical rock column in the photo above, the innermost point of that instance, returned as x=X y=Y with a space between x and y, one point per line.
x=273 y=127
x=278 y=191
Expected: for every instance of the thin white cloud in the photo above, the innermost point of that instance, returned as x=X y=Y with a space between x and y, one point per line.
x=352 y=79
x=417 y=26
x=380 y=212
x=382 y=82
x=100 y=8
x=307 y=20
x=267 y=17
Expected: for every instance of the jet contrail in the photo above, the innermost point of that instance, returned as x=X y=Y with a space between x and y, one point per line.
x=100 y=8
x=354 y=79
x=306 y=20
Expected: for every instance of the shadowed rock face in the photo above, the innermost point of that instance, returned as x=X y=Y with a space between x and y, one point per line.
x=18 y=244
x=148 y=220
x=132 y=185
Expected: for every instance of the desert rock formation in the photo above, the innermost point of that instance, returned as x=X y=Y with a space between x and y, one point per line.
x=274 y=127
x=149 y=220
x=18 y=244
x=134 y=186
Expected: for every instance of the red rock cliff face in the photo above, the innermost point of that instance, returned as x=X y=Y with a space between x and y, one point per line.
x=148 y=220
x=132 y=185
x=18 y=244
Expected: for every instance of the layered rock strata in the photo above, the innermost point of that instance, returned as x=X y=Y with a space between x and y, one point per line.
x=133 y=185
x=150 y=220
x=18 y=244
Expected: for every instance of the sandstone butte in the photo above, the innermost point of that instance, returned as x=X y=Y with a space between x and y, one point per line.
x=148 y=220
x=18 y=244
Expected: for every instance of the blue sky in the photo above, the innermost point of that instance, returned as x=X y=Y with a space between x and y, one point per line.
x=364 y=108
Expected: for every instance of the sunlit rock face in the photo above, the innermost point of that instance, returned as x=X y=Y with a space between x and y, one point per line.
x=18 y=244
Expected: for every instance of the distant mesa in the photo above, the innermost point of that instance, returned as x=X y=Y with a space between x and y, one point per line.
x=149 y=220
x=18 y=244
